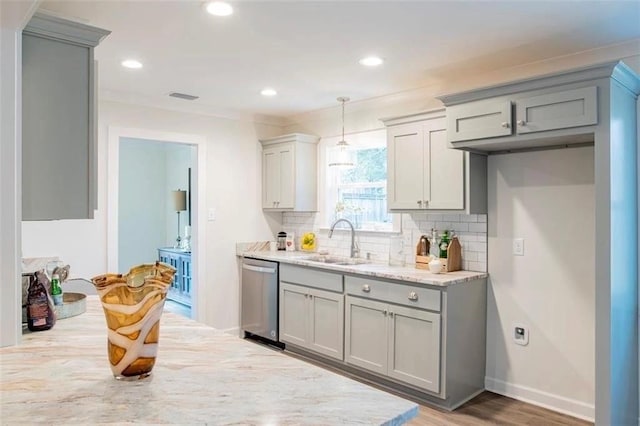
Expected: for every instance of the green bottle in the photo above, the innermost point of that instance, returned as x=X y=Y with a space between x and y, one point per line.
x=56 y=290
x=444 y=244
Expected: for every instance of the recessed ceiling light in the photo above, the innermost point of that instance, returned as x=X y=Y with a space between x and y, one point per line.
x=371 y=61
x=132 y=63
x=219 y=8
x=268 y=92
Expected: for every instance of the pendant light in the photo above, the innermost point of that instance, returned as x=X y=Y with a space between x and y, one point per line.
x=343 y=157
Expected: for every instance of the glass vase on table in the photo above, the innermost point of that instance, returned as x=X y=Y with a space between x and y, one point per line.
x=133 y=304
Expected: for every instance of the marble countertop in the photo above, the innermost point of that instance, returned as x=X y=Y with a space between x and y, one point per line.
x=373 y=269
x=62 y=376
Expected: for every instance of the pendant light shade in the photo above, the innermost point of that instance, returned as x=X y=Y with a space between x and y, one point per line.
x=342 y=156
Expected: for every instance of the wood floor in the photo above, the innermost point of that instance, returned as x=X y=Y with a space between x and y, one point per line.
x=491 y=409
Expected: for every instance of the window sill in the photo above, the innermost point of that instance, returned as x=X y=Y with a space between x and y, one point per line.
x=379 y=233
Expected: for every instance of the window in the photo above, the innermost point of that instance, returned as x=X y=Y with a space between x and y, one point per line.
x=358 y=194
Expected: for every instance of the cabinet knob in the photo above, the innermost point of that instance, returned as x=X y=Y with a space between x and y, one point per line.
x=413 y=296
x=505 y=124
x=420 y=203
x=390 y=313
x=366 y=288
x=385 y=312
x=426 y=203
x=522 y=123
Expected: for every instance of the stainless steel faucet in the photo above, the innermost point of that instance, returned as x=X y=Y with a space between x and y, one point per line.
x=354 y=248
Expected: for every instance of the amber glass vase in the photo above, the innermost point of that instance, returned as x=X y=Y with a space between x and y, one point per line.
x=133 y=304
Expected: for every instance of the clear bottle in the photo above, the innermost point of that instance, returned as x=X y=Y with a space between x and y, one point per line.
x=56 y=290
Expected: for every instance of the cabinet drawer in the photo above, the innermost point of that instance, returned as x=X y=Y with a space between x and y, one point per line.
x=311 y=277
x=401 y=294
x=479 y=120
x=560 y=110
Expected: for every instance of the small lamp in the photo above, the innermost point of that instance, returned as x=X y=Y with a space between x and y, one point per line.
x=179 y=204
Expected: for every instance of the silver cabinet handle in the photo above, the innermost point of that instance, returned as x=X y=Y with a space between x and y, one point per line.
x=390 y=313
x=426 y=203
x=385 y=312
x=505 y=124
x=420 y=203
x=521 y=123
x=413 y=296
x=366 y=288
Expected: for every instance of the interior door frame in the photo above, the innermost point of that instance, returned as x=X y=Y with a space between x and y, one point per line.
x=115 y=134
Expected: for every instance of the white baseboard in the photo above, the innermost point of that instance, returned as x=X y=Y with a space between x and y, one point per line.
x=234 y=331
x=561 y=404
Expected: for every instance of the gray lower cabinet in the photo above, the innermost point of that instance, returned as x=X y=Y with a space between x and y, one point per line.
x=425 y=341
x=399 y=342
x=312 y=318
x=58 y=119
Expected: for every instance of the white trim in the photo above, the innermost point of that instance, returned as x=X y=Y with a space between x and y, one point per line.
x=199 y=201
x=561 y=404
x=14 y=17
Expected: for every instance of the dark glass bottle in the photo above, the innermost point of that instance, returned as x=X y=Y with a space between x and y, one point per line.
x=40 y=312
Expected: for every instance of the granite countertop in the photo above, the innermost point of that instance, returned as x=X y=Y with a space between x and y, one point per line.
x=202 y=375
x=372 y=269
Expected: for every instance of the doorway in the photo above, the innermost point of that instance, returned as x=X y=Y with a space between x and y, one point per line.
x=154 y=214
x=155 y=188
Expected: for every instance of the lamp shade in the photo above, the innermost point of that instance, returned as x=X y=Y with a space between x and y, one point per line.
x=179 y=200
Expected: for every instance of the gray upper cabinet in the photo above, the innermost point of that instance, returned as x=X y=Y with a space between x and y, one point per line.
x=423 y=173
x=289 y=173
x=484 y=119
x=554 y=110
x=494 y=118
x=561 y=110
x=58 y=119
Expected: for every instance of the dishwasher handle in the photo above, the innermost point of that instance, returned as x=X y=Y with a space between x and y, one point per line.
x=258 y=269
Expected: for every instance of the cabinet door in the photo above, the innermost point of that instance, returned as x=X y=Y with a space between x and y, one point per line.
x=560 y=110
x=270 y=177
x=57 y=138
x=405 y=167
x=287 y=177
x=478 y=120
x=445 y=188
x=414 y=347
x=293 y=314
x=366 y=334
x=326 y=323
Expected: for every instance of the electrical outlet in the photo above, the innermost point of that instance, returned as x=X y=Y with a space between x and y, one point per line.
x=518 y=246
x=211 y=215
x=520 y=334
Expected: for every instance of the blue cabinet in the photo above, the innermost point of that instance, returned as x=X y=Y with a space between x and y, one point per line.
x=180 y=290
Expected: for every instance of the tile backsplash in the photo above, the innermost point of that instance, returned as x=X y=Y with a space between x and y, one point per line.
x=470 y=228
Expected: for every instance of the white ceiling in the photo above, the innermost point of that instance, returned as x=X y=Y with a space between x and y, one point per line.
x=309 y=50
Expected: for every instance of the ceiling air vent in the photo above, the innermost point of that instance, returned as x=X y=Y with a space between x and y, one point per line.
x=183 y=96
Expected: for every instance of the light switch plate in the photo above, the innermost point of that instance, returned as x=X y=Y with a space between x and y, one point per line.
x=211 y=215
x=518 y=246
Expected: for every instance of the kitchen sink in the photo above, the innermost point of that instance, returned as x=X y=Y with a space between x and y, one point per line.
x=336 y=260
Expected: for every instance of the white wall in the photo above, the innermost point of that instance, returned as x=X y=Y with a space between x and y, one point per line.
x=547 y=198
x=178 y=159
x=233 y=188
x=142 y=203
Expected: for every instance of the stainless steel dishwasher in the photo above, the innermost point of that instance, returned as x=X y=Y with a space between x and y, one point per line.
x=259 y=306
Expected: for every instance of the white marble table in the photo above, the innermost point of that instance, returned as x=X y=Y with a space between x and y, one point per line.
x=202 y=376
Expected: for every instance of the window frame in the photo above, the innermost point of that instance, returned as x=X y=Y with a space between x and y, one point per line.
x=379 y=136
